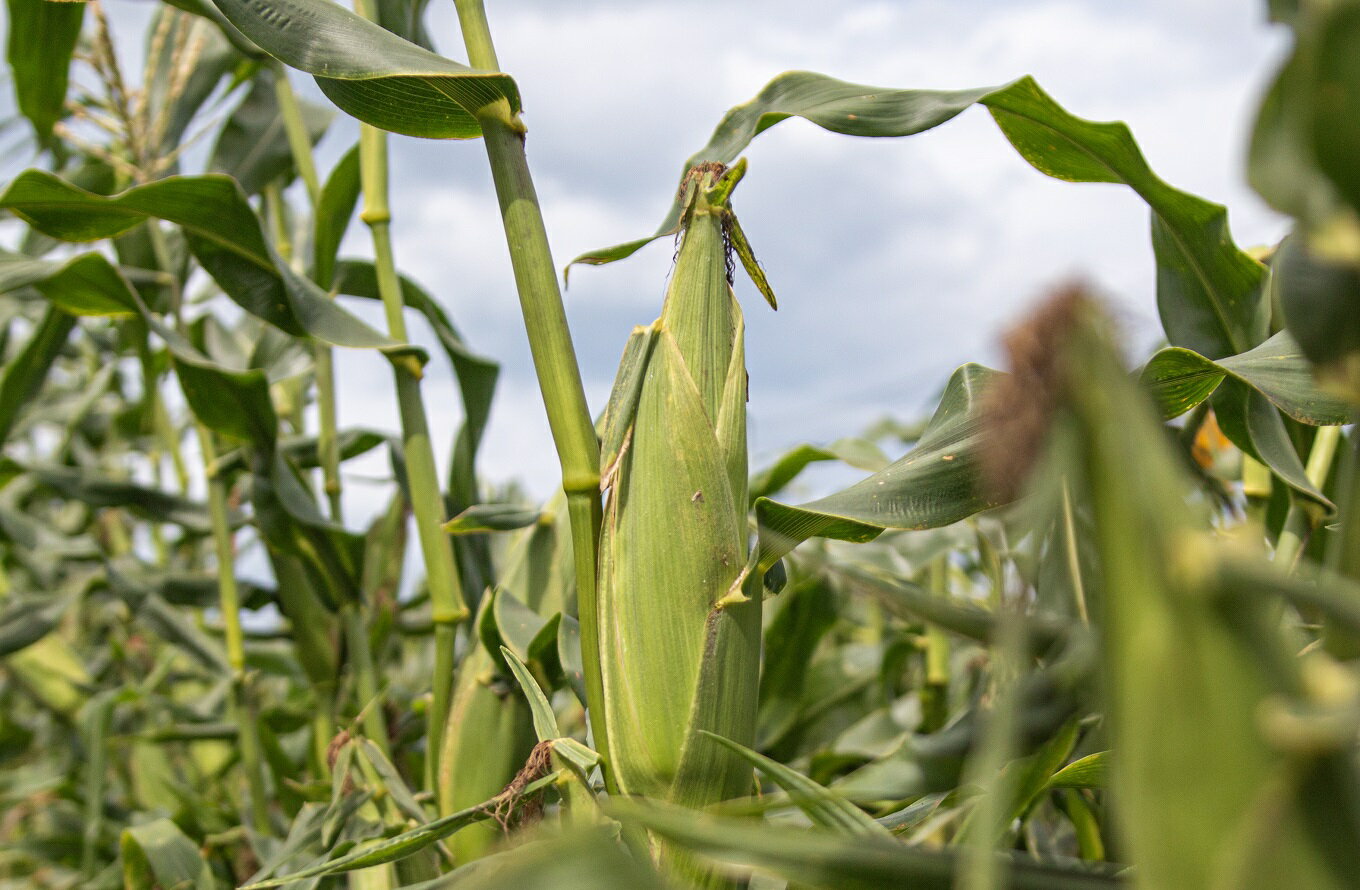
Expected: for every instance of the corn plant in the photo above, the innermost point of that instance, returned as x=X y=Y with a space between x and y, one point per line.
x=1085 y=626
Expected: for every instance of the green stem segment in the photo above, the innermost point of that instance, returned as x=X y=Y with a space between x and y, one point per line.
x=299 y=142
x=252 y=758
x=559 y=376
x=446 y=595
x=1298 y=524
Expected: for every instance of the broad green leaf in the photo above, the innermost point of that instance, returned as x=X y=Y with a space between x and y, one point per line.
x=933 y=485
x=822 y=859
x=370 y=72
x=1253 y=424
x=22 y=378
x=42 y=37
x=290 y=521
x=157 y=854
x=1180 y=379
x=824 y=807
x=224 y=234
x=252 y=147
x=1208 y=291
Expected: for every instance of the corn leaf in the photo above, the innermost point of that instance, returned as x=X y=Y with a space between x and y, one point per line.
x=1208 y=291
x=370 y=72
x=42 y=37
x=1180 y=379
x=220 y=228
x=933 y=485
x=23 y=376
x=821 y=859
x=824 y=807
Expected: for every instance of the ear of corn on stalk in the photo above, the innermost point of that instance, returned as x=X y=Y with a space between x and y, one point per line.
x=680 y=644
x=489 y=733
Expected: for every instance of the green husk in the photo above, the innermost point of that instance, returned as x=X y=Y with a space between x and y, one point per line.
x=678 y=654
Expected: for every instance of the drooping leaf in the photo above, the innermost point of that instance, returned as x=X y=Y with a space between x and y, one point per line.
x=1209 y=292
x=42 y=37
x=87 y=487
x=232 y=402
x=25 y=620
x=370 y=72
x=1180 y=379
x=825 y=860
x=224 y=234
x=933 y=485
x=859 y=453
x=1087 y=772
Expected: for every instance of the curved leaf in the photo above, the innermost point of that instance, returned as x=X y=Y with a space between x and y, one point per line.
x=23 y=377
x=42 y=37
x=220 y=228
x=368 y=71
x=1209 y=292
x=933 y=485
x=821 y=859
x=1179 y=379
x=822 y=805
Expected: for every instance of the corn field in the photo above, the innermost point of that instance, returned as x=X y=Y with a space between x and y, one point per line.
x=1095 y=622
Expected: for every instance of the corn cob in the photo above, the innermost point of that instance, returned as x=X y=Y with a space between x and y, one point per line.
x=679 y=641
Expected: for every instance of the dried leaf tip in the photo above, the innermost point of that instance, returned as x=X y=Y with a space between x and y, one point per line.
x=1019 y=407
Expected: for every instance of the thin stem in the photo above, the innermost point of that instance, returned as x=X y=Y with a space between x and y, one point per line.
x=1298 y=524
x=241 y=713
x=365 y=680
x=559 y=377
x=446 y=595
x=1070 y=545
x=935 y=692
x=299 y=141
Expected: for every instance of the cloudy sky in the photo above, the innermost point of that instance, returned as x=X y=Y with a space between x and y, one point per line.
x=894 y=260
